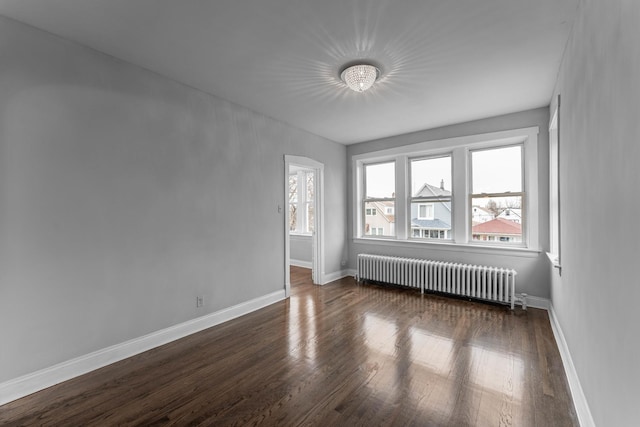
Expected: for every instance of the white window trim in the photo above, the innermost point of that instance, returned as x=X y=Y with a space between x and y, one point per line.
x=426 y=206
x=360 y=202
x=522 y=194
x=554 y=188
x=459 y=148
x=302 y=217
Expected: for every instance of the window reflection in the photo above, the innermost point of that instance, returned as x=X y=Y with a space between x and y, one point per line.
x=431 y=351
x=380 y=334
x=499 y=372
x=302 y=336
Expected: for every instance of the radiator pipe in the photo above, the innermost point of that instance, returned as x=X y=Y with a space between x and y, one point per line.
x=522 y=299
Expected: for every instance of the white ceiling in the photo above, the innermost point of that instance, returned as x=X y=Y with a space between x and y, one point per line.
x=442 y=61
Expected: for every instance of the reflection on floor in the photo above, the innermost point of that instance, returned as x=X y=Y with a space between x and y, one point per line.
x=339 y=354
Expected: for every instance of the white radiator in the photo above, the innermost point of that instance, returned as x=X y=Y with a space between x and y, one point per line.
x=474 y=281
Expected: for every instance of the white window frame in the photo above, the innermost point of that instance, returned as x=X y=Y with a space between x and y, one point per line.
x=302 y=202
x=458 y=148
x=427 y=200
x=554 y=187
x=430 y=207
x=522 y=194
x=363 y=201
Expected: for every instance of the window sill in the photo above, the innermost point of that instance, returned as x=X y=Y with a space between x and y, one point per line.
x=554 y=258
x=453 y=247
x=303 y=235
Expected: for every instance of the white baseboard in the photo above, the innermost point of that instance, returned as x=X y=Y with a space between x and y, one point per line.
x=336 y=275
x=300 y=263
x=579 y=399
x=39 y=380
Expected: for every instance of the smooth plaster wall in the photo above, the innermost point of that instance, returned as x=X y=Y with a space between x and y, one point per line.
x=301 y=248
x=533 y=272
x=124 y=195
x=596 y=297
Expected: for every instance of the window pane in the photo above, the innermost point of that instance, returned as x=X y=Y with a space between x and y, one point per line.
x=293 y=188
x=380 y=180
x=310 y=187
x=431 y=177
x=497 y=171
x=382 y=223
x=310 y=218
x=293 y=217
x=497 y=219
x=431 y=220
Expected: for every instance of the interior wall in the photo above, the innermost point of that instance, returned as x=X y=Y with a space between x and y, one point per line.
x=300 y=249
x=124 y=195
x=532 y=268
x=595 y=298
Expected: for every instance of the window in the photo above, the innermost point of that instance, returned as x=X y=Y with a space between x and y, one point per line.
x=496 y=187
x=293 y=202
x=425 y=211
x=554 y=187
x=431 y=197
x=379 y=196
x=301 y=194
x=475 y=190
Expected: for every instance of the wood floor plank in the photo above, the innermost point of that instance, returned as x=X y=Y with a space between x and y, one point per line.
x=340 y=354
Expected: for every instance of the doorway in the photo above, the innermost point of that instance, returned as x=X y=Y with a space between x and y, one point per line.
x=304 y=222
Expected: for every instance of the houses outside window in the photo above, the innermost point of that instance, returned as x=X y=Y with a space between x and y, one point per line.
x=379 y=201
x=425 y=211
x=485 y=202
x=431 y=197
x=499 y=191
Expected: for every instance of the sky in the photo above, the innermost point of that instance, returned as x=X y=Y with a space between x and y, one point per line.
x=494 y=171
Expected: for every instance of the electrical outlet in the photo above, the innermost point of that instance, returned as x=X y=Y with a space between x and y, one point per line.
x=199 y=301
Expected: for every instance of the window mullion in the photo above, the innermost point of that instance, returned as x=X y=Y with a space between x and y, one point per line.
x=401 y=203
x=459 y=201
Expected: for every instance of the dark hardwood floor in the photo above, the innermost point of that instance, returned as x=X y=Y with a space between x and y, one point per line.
x=339 y=354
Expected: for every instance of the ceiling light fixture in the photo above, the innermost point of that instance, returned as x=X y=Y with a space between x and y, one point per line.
x=360 y=77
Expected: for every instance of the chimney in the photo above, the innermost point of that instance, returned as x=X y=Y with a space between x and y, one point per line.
x=442 y=184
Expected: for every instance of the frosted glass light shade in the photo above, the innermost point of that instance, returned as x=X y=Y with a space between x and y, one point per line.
x=360 y=77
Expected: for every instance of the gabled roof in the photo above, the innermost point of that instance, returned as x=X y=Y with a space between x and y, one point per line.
x=480 y=208
x=517 y=212
x=380 y=207
x=429 y=190
x=430 y=223
x=497 y=226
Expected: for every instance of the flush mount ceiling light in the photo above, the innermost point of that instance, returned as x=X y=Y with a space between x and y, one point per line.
x=360 y=77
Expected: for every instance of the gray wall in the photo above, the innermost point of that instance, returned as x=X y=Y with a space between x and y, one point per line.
x=125 y=194
x=301 y=248
x=596 y=297
x=533 y=272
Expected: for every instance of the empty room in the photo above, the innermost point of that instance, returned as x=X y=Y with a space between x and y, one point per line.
x=328 y=213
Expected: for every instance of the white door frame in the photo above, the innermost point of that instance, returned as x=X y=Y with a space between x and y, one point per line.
x=318 y=221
